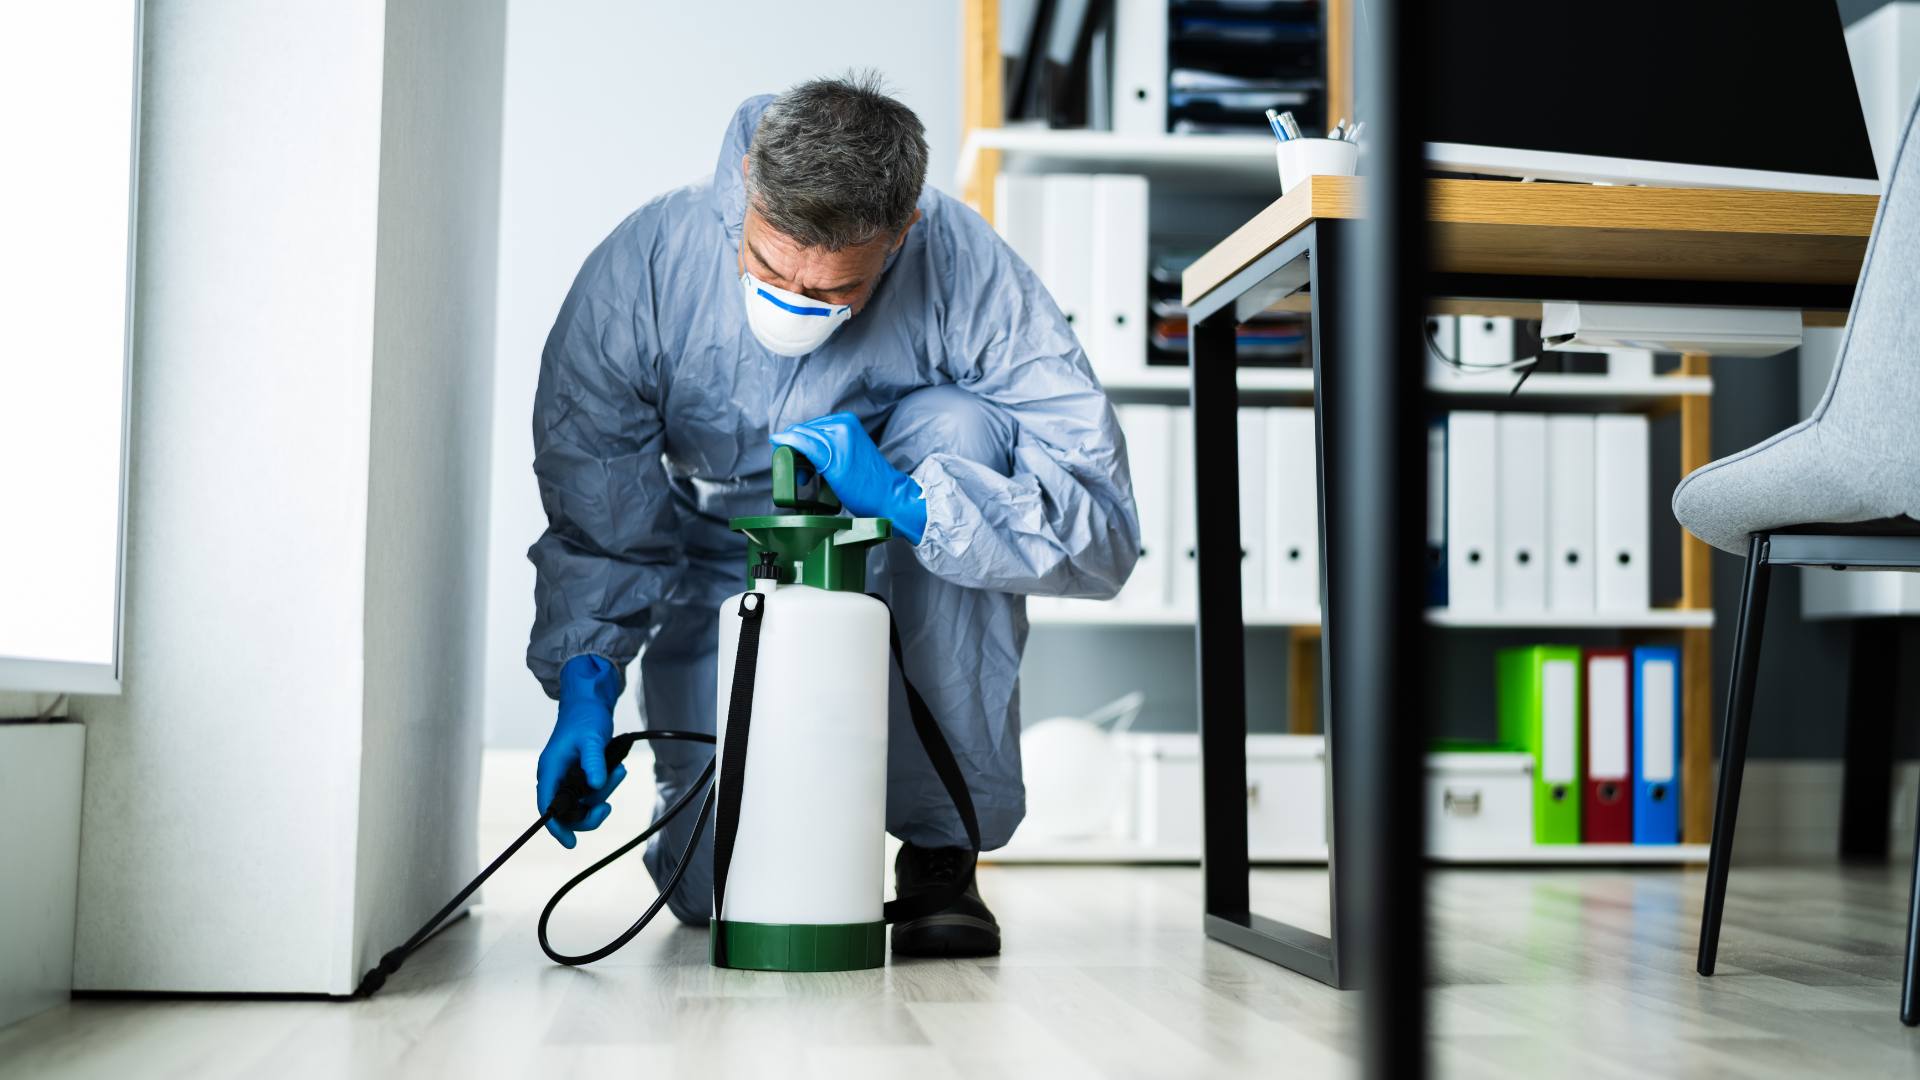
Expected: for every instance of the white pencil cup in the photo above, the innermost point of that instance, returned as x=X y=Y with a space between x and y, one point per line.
x=1301 y=158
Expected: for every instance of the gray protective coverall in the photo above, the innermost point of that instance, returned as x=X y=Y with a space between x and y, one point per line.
x=650 y=432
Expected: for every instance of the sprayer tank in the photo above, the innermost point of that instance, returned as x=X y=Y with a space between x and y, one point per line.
x=811 y=842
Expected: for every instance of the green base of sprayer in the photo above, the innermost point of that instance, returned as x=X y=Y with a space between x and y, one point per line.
x=799 y=947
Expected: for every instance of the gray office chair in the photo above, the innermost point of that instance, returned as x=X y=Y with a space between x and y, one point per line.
x=1840 y=489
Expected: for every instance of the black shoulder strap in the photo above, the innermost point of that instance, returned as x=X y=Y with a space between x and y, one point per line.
x=934 y=742
x=733 y=757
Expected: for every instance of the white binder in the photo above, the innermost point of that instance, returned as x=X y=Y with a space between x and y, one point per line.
x=1067 y=254
x=1253 y=509
x=1293 y=514
x=1183 y=561
x=1629 y=364
x=1620 y=513
x=1520 y=512
x=1149 y=431
x=1115 y=335
x=1485 y=341
x=1570 y=513
x=1470 y=511
x=1020 y=218
x=1442 y=333
x=1140 y=67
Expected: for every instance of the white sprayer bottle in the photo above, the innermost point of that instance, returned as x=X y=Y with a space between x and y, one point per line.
x=804 y=873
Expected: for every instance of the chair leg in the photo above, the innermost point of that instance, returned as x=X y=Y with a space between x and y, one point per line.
x=1910 y=981
x=1733 y=743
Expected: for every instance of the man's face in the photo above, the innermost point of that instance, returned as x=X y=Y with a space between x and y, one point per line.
x=847 y=276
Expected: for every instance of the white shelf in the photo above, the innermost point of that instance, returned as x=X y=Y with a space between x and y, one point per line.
x=1553 y=384
x=1107 y=852
x=1170 y=385
x=1581 y=855
x=1102 y=613
x=1111 y=852
x=1652 y=619
x=1237 y=161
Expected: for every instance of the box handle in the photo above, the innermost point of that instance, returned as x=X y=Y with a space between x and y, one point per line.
x=1461 y=804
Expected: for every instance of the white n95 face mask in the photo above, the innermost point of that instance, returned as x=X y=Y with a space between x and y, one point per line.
x=788 y=323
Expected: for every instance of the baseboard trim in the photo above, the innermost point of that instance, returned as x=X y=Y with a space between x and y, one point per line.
x=1791 y=809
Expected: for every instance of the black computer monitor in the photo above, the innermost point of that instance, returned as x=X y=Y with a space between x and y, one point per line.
x=1722 y=93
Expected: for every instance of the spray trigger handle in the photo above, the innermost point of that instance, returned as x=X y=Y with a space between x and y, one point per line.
x=573 y=786
x=798 y=486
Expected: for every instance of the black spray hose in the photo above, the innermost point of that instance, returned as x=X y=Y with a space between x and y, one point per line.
x=573 y=788
x=704 y=784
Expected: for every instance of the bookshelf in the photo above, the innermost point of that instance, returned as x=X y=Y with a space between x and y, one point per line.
x=1102 y=614
x=1241 y=161
x=1246 y=164
x=1167 y=385
x=1536 y=855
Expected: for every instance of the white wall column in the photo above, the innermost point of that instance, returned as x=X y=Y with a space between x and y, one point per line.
x=287 y=784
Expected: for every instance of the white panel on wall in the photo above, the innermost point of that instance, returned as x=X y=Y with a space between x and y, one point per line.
x=40 y=832
x=607 y=104
x=69 y=75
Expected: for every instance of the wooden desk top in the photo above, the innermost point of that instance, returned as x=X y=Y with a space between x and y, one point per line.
x=1580 y=230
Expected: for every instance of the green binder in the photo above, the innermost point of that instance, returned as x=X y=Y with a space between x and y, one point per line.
x=1540 y=700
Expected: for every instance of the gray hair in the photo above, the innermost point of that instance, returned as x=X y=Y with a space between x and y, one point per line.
x=837 y=163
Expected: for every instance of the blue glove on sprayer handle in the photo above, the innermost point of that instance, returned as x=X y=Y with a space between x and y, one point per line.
x=845 y=456
x=589 y=686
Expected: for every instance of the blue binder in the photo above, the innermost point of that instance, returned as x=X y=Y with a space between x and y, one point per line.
x=1656 y=745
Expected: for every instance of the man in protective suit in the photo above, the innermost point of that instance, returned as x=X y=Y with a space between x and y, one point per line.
x=816 y=294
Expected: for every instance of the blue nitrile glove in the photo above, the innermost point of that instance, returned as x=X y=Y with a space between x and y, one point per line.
x=844 y=454
x=589 y=686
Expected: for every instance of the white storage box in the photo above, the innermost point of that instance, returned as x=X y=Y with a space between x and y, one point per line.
x=40 y=834
x=1286 y=795
x=1479 y=803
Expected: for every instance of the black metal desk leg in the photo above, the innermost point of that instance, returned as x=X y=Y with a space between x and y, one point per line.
x=1220 y=642
x=1867 y=784
x=1334 y=480
x=1221 y=638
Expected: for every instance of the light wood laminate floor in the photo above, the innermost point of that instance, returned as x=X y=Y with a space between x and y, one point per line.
x=1565 y=972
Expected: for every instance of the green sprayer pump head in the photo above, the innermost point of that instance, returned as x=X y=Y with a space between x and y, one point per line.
x=814 y=545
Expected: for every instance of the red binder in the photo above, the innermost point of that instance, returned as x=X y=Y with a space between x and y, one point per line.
x=1606 y=805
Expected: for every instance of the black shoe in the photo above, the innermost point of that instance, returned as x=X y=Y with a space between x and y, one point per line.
x=965 y=928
